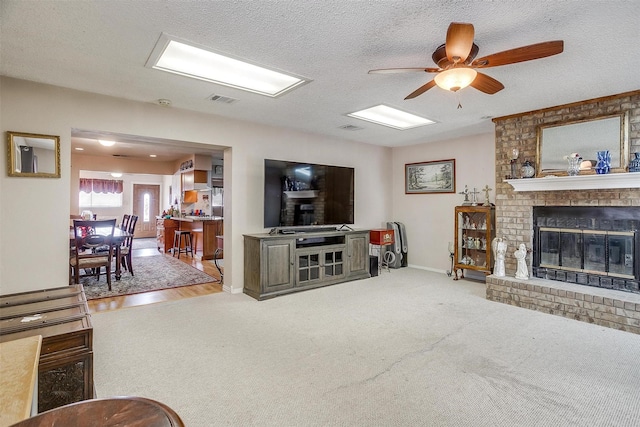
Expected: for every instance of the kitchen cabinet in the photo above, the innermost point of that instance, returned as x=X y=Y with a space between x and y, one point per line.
x=204 y=235
x=165 y=229
x=191 y=178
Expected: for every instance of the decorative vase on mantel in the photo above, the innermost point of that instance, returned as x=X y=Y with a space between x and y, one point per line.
x=528 y=170
x=603 y=164
x=574 y=165
x=634 y=164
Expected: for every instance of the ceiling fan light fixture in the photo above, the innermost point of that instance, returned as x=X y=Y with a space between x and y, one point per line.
x=455 y=79
x=106 y=143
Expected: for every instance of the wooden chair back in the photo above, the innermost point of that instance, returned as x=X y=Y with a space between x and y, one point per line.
x=90 y=235
x=124 y=225
x=128 y=242
x=132 y=223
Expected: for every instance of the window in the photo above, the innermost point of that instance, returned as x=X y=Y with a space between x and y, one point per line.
x=100 y=193
x=147 y=207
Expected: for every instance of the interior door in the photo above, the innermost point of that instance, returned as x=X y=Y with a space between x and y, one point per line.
x=146 y=204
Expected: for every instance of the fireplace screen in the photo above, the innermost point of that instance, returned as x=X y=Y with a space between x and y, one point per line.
x=595 y=246
x=600 y=252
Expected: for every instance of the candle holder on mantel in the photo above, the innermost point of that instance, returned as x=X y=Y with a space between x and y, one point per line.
x=514 y=163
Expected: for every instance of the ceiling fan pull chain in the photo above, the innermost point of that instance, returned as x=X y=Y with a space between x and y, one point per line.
x=459 y=103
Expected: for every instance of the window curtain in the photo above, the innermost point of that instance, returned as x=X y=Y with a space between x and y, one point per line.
x=89 y=185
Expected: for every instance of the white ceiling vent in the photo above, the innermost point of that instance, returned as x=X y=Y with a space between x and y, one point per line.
x=222 y=99
x=350 y=127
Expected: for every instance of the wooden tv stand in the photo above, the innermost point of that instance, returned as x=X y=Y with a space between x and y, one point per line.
x=283 y=263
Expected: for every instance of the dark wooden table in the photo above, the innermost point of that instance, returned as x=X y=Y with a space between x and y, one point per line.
x=116 y=411
x=118 y=237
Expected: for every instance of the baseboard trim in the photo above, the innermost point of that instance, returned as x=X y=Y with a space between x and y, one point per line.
x=435 y=270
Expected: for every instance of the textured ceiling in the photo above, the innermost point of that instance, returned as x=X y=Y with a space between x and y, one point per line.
x=102 y=47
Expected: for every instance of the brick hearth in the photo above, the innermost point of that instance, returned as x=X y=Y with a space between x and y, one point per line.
x=604 y=307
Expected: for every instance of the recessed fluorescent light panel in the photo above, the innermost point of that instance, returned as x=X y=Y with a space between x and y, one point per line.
x=391 y=117
x=188 y=59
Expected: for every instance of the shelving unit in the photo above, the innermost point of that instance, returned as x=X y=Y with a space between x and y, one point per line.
x=475 y=230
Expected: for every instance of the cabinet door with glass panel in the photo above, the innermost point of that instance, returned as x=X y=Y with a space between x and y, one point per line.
x=320 y=265
x=474 y=229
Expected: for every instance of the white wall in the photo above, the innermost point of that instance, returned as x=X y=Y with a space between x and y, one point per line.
x=429 y=218
x=34 y=211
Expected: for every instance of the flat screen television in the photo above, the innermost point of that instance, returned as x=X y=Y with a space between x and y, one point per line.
x=306 y=194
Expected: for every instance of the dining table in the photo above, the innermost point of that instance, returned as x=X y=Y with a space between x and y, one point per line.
x=119 y=237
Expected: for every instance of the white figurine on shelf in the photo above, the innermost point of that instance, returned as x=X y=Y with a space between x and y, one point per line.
x=466 y=196
x=466 y=224
x=499 y=247
x=486 y=190
x=522 y=271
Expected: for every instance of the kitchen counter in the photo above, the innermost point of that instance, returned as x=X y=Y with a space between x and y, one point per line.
x=203 y=228
x=193 y=218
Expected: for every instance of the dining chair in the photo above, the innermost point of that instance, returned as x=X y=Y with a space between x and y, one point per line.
x=126 y=247
x=124 y=225
x=90 y=235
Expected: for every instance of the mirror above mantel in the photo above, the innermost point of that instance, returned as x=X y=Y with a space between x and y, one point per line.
x=33 y=155
x=585 y=137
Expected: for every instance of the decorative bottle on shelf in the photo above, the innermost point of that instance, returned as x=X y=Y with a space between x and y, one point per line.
x=528 y=171
x=603 y=165
x=634 y=164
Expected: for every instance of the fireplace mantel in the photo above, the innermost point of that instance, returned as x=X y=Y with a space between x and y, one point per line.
x=580 y=182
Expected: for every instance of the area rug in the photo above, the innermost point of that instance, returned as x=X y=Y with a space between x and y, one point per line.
x=145 y=243
x=152 y=273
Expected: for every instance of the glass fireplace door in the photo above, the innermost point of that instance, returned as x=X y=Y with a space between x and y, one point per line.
x=621 y=254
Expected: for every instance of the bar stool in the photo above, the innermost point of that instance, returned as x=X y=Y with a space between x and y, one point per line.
x=196 y=232
x=177 y=242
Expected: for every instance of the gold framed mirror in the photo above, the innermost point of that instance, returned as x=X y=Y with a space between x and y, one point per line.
x=33 y=155
x=585 y=137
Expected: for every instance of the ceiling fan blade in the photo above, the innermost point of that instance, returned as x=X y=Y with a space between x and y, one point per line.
x=459 y=41
x=422 y=89
x=520 y=54
x=486 y=84
x=403 y=70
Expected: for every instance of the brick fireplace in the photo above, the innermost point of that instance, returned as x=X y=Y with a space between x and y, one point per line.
x=618 y=309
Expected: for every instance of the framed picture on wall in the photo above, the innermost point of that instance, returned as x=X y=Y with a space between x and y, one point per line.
x=430 y=177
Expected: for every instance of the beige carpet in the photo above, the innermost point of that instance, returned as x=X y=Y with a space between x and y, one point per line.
x=408 y=348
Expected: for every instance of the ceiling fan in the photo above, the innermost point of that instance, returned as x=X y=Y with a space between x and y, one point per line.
x=457 y=64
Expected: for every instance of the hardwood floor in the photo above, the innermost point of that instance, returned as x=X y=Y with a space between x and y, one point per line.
x=115 y=303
